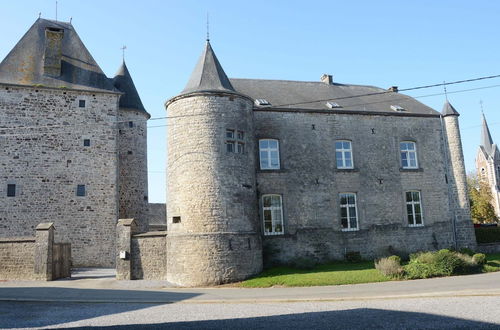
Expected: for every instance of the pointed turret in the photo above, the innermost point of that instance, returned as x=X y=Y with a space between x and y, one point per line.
x=449 y=110
x=208 y=74
x=486 y=140
x=124 y=83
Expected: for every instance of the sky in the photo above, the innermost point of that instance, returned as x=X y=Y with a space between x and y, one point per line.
x=380 y=43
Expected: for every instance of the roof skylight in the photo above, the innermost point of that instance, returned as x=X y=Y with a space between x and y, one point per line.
x=333 y=105
x=397 y=108
x=262 y=102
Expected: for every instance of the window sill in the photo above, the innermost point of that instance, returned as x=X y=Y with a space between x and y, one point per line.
x=415 y=226
x=349 y=230
x=278 y=170
x=268 y=235
x=346 y=170
x=419 y=169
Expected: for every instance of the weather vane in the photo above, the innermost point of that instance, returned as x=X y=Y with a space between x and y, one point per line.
x=56 y=11
x=208 y=29
x=481 y=104
x=123 y=52
x=445 y=91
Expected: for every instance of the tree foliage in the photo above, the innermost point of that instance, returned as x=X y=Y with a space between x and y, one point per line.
x=482 y=210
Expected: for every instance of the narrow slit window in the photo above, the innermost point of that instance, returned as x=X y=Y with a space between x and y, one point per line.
x=80 y=190
x=11 y=190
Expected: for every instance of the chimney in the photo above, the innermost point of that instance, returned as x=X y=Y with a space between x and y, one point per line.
x=327 y=79
x=53 y=51
x=393 y=89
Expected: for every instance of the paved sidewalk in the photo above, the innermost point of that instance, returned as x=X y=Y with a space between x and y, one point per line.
x=100 y=286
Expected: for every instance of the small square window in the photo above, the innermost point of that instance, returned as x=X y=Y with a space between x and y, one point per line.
x=130 y=124
x=81 y=103
x=80 y=190
x=129 y=152
x=86 y=142
x=230 y=134
x=11 y=190
x=176 y=219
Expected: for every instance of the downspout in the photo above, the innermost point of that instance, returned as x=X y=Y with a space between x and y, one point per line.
x=448 y=174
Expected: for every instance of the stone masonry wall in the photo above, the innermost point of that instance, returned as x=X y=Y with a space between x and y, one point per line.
x=149 y=256
x=310 y=184
x=42 y=152
x=17 y=258
x=211 y=201
x=133 y=176
x=465 y=234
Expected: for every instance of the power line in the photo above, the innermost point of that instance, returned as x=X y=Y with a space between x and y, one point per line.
x=276 y=106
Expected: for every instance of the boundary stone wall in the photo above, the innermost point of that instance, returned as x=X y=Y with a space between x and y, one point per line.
x=35 y=258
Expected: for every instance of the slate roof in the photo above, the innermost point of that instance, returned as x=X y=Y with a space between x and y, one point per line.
x=208 y=74
x=486 y=140
x=449 y=110
x=308 y=95
x=124 y=83
x=24 y=64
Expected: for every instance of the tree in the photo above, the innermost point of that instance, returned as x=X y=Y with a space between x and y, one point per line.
x=481 y=209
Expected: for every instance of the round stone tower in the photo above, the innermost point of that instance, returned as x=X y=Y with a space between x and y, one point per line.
x=457 y=180
x=132 y=151
x=212 y=218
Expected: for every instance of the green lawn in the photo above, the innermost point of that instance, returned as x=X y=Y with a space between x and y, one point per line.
x=492 y=263
x=335 y=273
x=328 y=274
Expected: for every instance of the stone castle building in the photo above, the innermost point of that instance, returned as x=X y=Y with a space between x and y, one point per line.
x=259 y=171
x=315 y=170
x=488 y=165
x=73 y=144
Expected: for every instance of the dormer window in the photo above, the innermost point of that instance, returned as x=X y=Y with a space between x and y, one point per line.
x=397 y=108
x=333 y=105
x=262 y=102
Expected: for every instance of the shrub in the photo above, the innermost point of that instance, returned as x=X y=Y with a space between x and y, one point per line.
x=479 y=258
x=390 y=266
x=441 y=263
x=467 y=251
x=487 y=234
x=353 y=256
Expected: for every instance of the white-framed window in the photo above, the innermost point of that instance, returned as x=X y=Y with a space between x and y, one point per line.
x=414 y=208
x=269 y=151
x=235 y=141
x=272 y=213
x=408 y=151
x=343 y=154
x=348 y=212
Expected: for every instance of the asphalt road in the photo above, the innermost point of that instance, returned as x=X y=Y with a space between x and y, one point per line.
x=408 y=313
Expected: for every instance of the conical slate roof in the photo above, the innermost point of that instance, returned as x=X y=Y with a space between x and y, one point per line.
x=124 y=83
x=449 y=110
x=24 y=65
x=486 y=140
x=208 y=74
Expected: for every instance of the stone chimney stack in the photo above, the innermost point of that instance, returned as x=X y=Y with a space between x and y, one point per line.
x=53 y=52
x=327 y=78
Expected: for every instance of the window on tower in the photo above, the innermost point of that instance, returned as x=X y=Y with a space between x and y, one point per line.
x=235 y=141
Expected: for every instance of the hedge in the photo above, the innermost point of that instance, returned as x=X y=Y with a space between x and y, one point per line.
x=487 y=234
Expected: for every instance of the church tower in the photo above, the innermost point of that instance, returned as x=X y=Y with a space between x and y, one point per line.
x=132 y=151
x=488 y=165
x=213 y=234
x=457 y=180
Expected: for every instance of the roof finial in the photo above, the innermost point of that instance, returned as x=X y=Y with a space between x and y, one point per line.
x=208 y=29
x=445 y=91
x=481 y=103
x=56 y=11
x=70 y=20
x=39 y=14
x=123 y=52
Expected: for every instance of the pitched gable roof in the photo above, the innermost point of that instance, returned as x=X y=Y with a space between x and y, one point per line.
x=24 y=65
x=208 y=74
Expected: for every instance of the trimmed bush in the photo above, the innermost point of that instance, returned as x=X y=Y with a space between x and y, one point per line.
x=390 y=266
x=487 y=234
x=441 y=263
x=479 y=259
